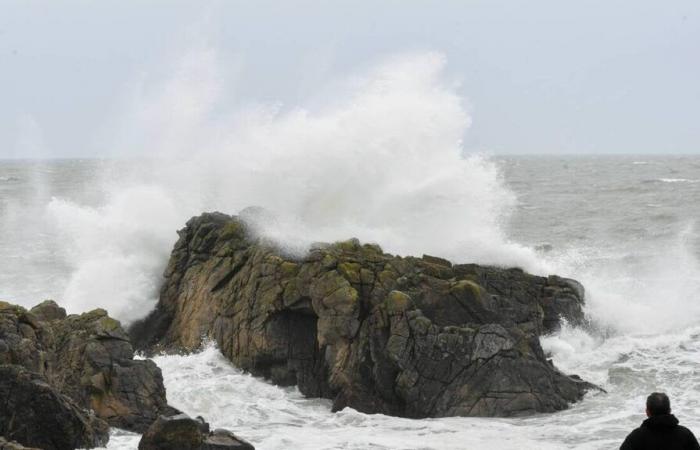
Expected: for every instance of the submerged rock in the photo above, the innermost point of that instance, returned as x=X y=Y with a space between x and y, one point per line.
x=184 y=433
x=86 y=357
x=35 y=414
x=415 y=337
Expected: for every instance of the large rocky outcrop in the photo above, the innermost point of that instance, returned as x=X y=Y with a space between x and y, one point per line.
x=416 y=337
x=87 y=358
x=35 y=414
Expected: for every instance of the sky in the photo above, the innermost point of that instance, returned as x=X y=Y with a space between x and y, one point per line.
x=537 y=76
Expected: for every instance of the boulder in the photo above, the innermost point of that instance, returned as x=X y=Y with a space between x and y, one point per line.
x=220 y=439
x=406 y=336
x=87 y=357
x=184 y=433
x=34 y=414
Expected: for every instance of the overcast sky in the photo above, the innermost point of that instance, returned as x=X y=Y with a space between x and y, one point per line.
x=569 y=77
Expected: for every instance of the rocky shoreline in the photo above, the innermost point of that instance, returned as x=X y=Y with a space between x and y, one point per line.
x=404 y=336
x=65 y=379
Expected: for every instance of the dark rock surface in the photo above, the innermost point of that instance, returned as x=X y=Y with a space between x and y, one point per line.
x=12 y=445
x=35 y=414
x=415 y=337
x=184 y=433
x=86 y=357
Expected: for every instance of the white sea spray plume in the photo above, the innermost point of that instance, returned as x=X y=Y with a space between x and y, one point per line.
x=383 y=162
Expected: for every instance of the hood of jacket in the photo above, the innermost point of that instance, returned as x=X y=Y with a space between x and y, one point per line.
x=661 y=421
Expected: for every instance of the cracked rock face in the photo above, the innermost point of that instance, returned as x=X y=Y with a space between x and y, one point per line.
x=87 y=358
x=414 y=337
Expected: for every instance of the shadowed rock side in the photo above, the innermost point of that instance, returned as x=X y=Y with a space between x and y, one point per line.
x=87 y=358
x=34 y=414
x=415 y=337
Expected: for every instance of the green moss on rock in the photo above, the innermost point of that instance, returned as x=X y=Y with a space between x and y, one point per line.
x=232 y=230
x=351 y=271
x=398 y=302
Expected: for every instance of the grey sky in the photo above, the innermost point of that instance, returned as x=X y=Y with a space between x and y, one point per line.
x=596 y=76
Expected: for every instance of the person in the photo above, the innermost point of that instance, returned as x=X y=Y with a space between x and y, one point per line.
x=661 y=430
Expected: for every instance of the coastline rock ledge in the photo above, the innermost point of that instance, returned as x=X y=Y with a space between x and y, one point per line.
x=404 y=336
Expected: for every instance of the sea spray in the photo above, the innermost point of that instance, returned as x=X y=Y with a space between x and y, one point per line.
x=598 y=228
x=641 y=286
x=382 y=161
x=116 y=251
x=632 y=243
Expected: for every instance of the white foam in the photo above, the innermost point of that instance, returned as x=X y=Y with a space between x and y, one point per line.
x=116 y=251
x=271 y=417
x=678 y=180
x=639 y=287
x=381 y=161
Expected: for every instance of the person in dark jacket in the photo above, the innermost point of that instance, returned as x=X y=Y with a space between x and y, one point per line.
x=661 y=430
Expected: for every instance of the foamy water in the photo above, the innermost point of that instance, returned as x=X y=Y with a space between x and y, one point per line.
x=271 y=417
x=381 y=161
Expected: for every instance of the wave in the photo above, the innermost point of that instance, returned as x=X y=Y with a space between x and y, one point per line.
x=272 y=417
x=382 y=162
x=678 y=180
x=639 y=287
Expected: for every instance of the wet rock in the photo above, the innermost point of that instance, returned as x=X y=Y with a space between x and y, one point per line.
x=96 y=365
x=224 y=440
x=12 y=445
x=414 y=337
x=184 y=433
x=178 y=431
x=87 y=357
x=36 y=415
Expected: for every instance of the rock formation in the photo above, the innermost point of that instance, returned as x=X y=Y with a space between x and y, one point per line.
x=65 y=378
x=184 y=433
x=414 y=337
x=87 y=358
x=35 y=414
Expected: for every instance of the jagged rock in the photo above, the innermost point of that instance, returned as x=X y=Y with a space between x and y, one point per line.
x=415 y=337
x=35 y=414
x=184 y=433
x=87 y=357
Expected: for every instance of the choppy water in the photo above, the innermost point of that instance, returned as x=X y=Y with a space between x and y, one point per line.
x=625 y=227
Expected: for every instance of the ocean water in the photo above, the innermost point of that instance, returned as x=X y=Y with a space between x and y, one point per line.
x=98 y=233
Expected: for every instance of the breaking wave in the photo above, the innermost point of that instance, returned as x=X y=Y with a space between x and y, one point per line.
x=382 y=161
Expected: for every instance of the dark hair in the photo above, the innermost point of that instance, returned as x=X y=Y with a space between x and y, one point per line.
x=658 y=403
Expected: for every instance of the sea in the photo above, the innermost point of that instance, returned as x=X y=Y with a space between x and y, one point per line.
x=97 y=233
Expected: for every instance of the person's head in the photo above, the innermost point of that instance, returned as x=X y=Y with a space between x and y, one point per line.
x=658 y=404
